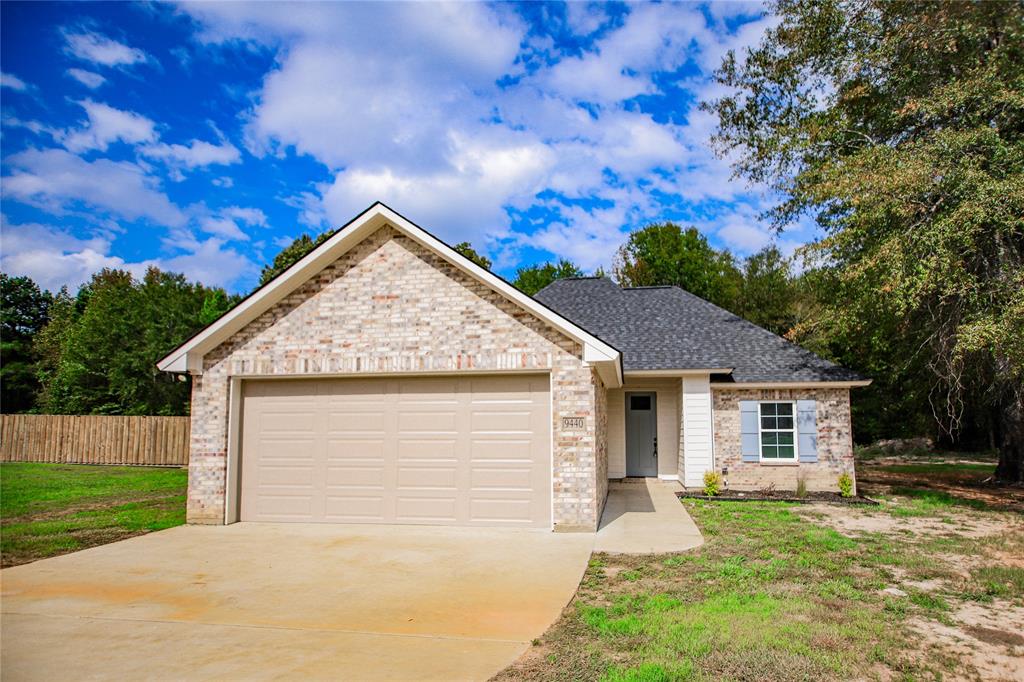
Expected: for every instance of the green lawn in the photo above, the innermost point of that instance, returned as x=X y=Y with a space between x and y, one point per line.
x=774 y=594
x=50 y=509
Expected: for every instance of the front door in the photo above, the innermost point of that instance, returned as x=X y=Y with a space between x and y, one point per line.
x=641 y=435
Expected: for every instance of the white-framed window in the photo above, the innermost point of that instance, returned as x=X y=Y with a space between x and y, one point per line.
x=777 y=431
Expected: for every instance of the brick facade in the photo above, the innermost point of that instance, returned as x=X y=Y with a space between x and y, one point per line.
x=835 y=440
x=390 y=306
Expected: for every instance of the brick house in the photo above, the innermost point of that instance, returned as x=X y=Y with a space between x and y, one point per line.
x=385 y=378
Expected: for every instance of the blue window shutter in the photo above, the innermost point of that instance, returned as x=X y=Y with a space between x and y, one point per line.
x=807 y=429
x=749 y=446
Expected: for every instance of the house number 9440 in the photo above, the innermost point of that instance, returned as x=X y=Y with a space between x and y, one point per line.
x=573 y=422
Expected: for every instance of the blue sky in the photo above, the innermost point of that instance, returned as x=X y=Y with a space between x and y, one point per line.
x=203 y=137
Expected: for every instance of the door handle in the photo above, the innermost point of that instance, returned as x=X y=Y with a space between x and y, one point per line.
x=655 y=447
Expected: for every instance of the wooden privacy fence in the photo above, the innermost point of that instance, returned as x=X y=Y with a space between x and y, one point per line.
x=74 y=439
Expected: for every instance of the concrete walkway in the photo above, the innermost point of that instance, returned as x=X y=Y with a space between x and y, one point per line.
x=644 y=516
x=289 y=601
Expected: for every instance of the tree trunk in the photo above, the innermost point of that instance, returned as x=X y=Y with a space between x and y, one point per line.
x=1011 y=446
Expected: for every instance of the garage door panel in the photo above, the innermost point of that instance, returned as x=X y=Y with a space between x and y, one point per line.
x=355 y=477
x=354 y=508
x=422 y=509
x=441 y=450
x=427 y=477
x=502 y=450
x=438 y=449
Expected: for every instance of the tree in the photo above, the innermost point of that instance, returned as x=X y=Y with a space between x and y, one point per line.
x=900 y=127
x=665 y=253
x=533 y=278
x=291 y=254
x=469 y=252
x=23 y=312
x=99 y=351
x=768 y=292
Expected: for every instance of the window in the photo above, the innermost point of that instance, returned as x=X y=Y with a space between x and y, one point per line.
x=639 y=402
x=778 y=431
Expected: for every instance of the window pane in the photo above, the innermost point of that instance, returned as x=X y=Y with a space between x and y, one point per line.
x=639 y=402
x=786 y=451
x=784 y=438
x=784 y=422
x=768 y=408
x=769 y=438
x=769 y=452
x=784 y=408
x=768 y=422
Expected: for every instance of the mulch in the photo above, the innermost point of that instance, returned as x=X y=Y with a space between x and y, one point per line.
x=778 y=496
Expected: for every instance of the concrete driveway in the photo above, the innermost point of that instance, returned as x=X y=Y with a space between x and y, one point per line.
x=265 y=601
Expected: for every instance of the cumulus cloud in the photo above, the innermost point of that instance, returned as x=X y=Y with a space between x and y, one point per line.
x=9 y=80
x=106 y=125
x=226 y=223
x=99 y=49
x=195 y=154
x=57 y=180
x=89 y=79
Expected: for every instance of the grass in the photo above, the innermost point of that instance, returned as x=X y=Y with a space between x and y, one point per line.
x=939 y=468
x=772 y=595
x=51 y=509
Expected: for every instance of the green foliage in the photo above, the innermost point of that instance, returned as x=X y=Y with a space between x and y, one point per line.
x=24 y=310
x=900 y=128
x=768 y=294
x=845 y=484
x=291 y=254
x=216 y=303
x=712 y=483
x=532 y=279
x=99 y=351
x=466 y=249
x=666 y=254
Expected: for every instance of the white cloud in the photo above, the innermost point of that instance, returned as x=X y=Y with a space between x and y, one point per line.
x=56 y=180
x=53 y=257
x=97 y=48
x=224 y=182
x=402 y=103
x=107 y=124
x=195 y=154
x=9 y=80
x=226 y=222
x=89 y=79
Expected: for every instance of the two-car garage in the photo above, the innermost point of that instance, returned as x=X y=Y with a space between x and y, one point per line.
x=472 y=450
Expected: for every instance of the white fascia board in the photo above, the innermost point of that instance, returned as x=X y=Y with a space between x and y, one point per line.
x=859 y=383
x=347 y=237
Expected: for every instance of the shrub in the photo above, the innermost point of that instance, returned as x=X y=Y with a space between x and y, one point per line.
x=845 y=485
x=801 y=487
x=712 y=483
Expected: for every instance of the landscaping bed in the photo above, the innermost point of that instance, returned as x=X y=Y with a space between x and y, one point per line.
x=776 y=496
x=52 y=509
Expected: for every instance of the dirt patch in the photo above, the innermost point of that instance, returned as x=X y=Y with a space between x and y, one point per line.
x=984 y=636
x=959 y=523
x=881 y=476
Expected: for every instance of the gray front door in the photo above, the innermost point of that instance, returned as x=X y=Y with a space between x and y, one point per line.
x=641 y=435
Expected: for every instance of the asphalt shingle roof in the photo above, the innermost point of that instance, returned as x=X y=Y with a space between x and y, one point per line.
x=669 y=328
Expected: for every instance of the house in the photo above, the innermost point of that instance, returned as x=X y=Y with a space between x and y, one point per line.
x=385 y=378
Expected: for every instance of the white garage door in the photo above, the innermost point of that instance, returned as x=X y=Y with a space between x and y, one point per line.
x=463 y=451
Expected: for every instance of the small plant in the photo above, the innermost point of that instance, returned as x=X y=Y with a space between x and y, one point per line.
x=845 y=485
x=712 y=483
x=801 y=487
